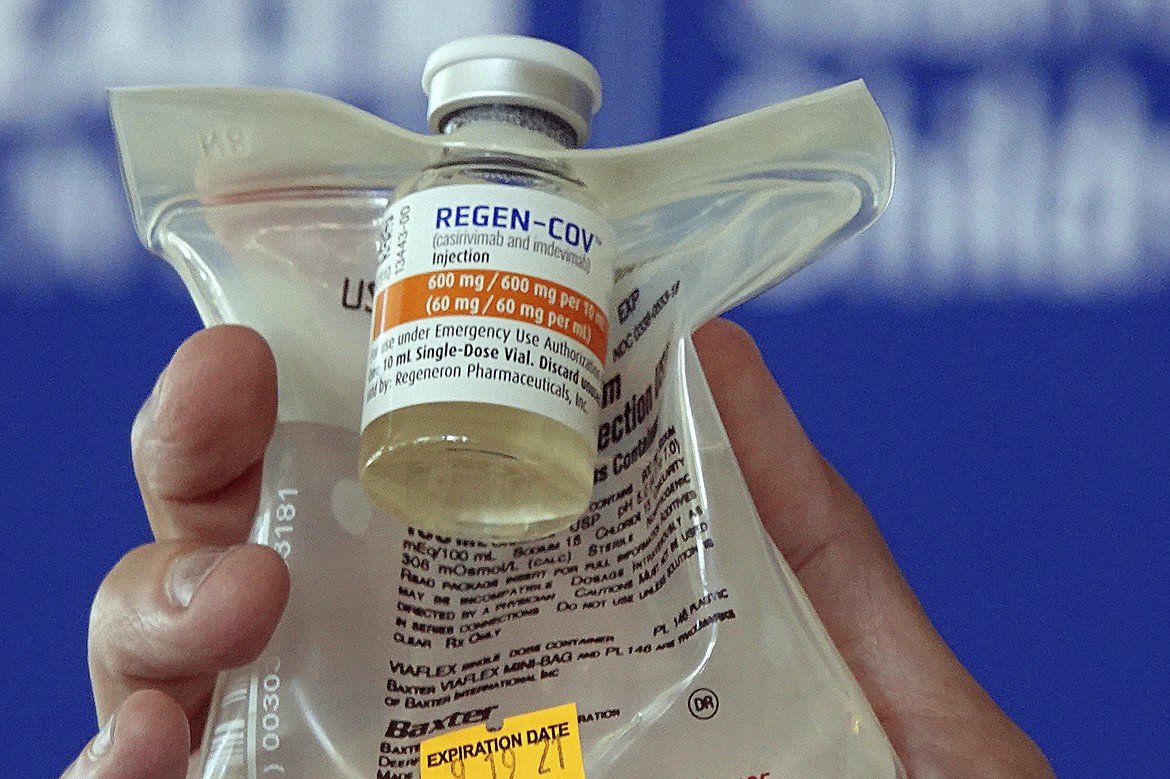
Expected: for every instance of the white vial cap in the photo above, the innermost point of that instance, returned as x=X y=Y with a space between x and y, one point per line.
x=511 y=70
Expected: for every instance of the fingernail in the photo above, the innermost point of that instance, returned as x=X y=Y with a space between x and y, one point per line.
x=189 y=571
x=148 y=413
x=103 y=740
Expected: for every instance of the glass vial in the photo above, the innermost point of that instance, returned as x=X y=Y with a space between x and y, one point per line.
x=489 y=331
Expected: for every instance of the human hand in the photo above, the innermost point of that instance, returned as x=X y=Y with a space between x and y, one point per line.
x=198 y=445
x=938 y=718
x=173 y=613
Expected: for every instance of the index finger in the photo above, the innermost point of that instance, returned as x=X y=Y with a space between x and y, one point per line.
x=820 y=525
x=198 y=441
x=938 y=718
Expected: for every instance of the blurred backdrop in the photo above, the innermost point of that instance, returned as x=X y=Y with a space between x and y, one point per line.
x=989 y=365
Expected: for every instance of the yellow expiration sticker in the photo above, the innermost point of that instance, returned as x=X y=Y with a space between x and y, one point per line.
x=542 y=744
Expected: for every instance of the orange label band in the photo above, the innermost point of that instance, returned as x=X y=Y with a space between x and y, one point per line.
x=502 y=295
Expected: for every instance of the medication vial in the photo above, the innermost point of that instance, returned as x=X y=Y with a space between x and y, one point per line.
x=490 y=326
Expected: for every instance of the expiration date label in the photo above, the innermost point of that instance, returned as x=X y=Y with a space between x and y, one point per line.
x=541 y=744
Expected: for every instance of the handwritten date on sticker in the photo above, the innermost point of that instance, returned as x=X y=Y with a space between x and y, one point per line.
x=542 y=744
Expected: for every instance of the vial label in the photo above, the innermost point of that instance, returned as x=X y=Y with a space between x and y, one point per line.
x=491 y=294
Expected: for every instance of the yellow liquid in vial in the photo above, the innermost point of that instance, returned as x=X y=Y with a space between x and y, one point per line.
x=477 y=470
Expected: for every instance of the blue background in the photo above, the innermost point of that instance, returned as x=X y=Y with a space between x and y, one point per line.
x=989 y=366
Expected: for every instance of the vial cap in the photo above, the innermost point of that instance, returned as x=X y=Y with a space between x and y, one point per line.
x=511 y=70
